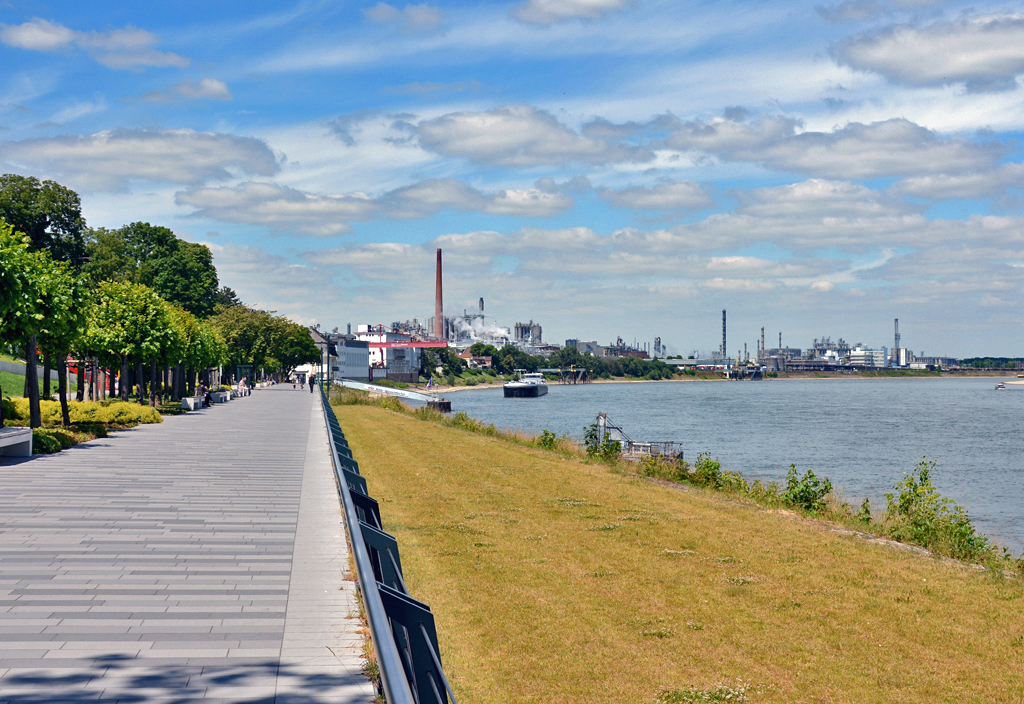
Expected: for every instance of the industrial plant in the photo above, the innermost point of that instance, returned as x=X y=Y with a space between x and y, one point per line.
x=376 y=351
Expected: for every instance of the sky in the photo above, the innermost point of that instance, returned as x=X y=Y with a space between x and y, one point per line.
x=605 y=168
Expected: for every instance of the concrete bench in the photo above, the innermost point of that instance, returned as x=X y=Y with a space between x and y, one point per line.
x=220 y=396
x=191 y=403
x=16 y=442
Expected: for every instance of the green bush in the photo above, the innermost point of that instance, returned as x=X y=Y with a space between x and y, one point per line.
x=661 y=468
x=43 y=443
x=707 y=472
x=547 y=440
x=918 y=514
x=806 y=492
x=116 y=413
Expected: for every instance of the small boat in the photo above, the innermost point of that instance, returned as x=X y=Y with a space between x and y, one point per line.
x=528 y=385
x=1000 y=385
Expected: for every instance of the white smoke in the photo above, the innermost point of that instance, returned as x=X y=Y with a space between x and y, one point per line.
x=479 y=330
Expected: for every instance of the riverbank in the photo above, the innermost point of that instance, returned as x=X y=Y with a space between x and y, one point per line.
x=554 y=579
x=782 y=376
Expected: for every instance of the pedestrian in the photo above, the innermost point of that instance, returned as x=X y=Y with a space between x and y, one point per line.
x=310 y=383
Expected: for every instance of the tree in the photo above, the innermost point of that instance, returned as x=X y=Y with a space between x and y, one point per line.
x=49 y=213
x=19 y=291
x=51 y=216
x=180 y=272
x=185 y=276
x=262 y=339
x=63 y=303
x=225 y=297
x=130 y=323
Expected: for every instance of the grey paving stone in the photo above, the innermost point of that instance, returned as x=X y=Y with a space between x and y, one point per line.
x=185 y=561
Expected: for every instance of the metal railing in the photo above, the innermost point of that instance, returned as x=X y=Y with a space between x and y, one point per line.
x=401 y=628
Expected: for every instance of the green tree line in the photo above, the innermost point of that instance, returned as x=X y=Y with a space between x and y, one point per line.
x=510 y=358
x=136 y=299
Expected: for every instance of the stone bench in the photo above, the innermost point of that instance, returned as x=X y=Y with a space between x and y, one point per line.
x=16 y=442
x=191 y=403
x=220 y=396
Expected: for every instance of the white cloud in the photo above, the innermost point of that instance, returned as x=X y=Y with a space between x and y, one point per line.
x=127 y=48
x=38 y=35
x=979 y=184
x=529 y=202
x=280 y=208
x=547 y=12
x=888 y=148
x=286 y=209
x=109 y=160
x=413 y=18
x=204 y=88
x=984 y=52
x=77 y=110
x=518 y=135
x=674 y=195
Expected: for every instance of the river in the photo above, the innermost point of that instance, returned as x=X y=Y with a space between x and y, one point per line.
x=863 y=434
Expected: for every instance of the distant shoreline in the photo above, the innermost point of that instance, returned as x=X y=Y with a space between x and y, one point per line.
x=791 y=376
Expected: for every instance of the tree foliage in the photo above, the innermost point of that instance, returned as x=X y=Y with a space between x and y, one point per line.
x=128 y=323
x=263 y=339
x=179 y=271
x=48 y=213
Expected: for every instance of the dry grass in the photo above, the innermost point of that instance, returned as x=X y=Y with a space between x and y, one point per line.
x=553 y=580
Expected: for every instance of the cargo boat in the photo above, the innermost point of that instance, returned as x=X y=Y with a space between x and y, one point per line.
x=528 y=385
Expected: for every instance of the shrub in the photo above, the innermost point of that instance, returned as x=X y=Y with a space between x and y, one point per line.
x=707 y=472
x=917 y=513
x=43 y=443
x=109 y=413
x=806 y=492
x=661 y=468
x=547 y=440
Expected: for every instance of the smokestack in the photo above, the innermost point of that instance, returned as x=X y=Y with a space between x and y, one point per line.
x=481 y=304
x=438 y=306
x=724 y=348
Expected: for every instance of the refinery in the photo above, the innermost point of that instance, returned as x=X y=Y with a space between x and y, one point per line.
x=376 y=351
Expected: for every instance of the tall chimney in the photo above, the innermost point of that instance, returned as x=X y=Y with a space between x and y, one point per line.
x=724 y=350
x=438 y=306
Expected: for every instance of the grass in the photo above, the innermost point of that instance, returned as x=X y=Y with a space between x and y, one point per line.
x=556 y=580
x=14 y=384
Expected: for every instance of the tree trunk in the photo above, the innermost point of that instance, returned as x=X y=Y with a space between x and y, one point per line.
x=152 y=385
x=32 y=380
x=62 y=388
x=82 y=376
x=141 y=383
x=190 y=383
x=1 y=403
x=46 y=374
x=124 y=380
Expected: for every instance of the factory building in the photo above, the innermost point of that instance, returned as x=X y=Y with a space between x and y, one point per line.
x=395 y=363
x=861 y=356
x=342 y=355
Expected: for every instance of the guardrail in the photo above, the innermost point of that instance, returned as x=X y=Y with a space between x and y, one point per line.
x=402 y=628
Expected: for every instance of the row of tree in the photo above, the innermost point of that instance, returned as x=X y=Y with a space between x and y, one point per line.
x=509 y=358
x=136 y=299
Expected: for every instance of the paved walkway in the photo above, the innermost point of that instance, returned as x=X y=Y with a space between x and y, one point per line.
x=202 y=559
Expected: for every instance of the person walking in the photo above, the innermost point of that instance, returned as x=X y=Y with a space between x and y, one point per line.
x=311 y=382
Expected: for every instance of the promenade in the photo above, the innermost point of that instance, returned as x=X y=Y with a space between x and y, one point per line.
x=201 y=559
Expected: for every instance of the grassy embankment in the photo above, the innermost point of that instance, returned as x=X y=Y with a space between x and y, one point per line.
x=14 y=385
x=557 y=580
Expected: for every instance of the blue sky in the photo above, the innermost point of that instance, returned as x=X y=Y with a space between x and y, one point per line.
x=604 y=167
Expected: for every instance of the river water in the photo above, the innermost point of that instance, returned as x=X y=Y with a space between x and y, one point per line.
x=861 y=433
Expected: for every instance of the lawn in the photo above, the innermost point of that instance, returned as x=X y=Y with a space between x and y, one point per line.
x=554 y=580
x=14 y=384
